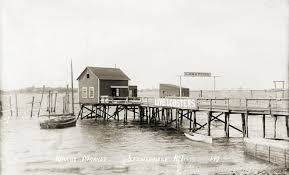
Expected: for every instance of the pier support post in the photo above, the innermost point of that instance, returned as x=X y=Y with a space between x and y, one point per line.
x=134 y=112
x=190 y=114
x=177 y=118
x=209 y=122
x=195 y=121
x=227 y=116
x=264 y=125
x=247 y=124
x=225 y=123
x=275 y=125
x=287 y=125
x=243 y=124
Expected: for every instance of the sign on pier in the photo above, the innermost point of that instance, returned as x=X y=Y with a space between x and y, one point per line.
x=176 y=103
x=197 y=74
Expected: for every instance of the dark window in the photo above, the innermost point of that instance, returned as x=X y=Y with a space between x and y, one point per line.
x=87 y=75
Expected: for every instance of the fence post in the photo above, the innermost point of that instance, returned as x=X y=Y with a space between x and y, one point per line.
x=32 y=107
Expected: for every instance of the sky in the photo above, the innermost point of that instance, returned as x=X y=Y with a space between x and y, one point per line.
x=244 y=42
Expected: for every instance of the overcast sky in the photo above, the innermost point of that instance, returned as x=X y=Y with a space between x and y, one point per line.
x=152 y=41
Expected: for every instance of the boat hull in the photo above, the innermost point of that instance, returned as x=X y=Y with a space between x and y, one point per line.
x=58 y=123
x=199 y=138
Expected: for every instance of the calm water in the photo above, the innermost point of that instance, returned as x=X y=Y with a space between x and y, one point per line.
x=97 y=147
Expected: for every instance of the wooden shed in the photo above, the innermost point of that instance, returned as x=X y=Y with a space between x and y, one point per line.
x=95 y=82
x=170 y=90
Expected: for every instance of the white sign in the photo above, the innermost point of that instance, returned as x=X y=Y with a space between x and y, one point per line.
x=176 y=103
x=198 y=74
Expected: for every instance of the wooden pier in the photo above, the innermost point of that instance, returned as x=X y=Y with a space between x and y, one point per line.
x=145 y=111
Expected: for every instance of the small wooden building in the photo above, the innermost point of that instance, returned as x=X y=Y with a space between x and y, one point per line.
x=170 y=90
x=95 y=82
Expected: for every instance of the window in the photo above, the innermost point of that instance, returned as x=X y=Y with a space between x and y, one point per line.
x=87 y=75
x=84 y=92
x=117 y=92
x=91 y=92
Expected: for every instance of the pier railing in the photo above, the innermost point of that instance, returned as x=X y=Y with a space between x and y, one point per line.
x=268 y=105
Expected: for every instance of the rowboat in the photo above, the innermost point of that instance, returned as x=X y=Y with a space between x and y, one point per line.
x=199 y=137
x=58 y=122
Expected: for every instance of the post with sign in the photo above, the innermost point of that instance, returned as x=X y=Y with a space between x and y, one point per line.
x=202 y=74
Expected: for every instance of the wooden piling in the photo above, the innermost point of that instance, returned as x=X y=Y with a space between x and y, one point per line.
x=264 y=125
x=195 y=121
x=209 y=123
x=275 y=125
x=177 y=118
x=287 y=125
x=1 y=108
x=55 y=101
x=243 y=124
x=225 y=123
x=227 y=115
x=41 y=100
x=49 y=96
x=190 y=115
x=31 y=114
x=16 y=101
x=11 y=112
x=67 y=89
x=247 y=124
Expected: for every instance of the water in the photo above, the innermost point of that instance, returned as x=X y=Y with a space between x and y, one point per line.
x=97 y=147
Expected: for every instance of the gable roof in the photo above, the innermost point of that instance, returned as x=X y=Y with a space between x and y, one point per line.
x=103 y=73
x=172 y=86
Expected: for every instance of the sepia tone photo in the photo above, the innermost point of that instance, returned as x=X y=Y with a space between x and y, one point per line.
x=164 y=87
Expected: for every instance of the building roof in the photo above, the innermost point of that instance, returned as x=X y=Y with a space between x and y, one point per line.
x=172 y=86
x=103 y=73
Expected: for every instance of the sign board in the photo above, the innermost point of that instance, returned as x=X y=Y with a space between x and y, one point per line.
x=198 y=74
x=176 y=103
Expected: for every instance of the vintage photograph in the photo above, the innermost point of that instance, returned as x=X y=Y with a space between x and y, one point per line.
x=154 y=87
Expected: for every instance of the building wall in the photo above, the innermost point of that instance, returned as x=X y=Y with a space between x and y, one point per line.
x=105 y=87
x=92 y=81
x=169 y=91
x=133 y=90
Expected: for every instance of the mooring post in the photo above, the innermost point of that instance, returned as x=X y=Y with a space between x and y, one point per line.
x=10 y=105
x=264 y=125
x=275 y=124
x=41 y=100
x=209 y=122
x=16 y=105
x=32 y=107
x=49 y=104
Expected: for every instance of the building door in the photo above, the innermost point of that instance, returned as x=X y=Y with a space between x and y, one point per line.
x=113 y=92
